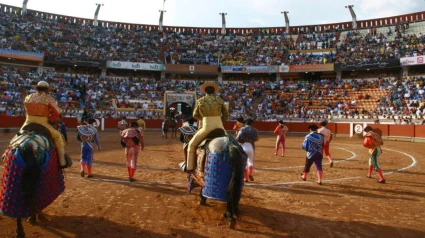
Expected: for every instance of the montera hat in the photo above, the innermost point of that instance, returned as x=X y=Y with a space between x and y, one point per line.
x=41 y=84
x=205 y=85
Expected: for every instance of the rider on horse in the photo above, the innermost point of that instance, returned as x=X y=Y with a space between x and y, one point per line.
x=212 y=111
x=41 y=108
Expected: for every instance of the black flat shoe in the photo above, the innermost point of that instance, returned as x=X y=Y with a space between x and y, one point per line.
x=381 y=181
x=331 y=164
x=320 y=183
x=302 y=177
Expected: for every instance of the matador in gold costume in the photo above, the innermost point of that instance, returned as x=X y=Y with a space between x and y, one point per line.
x=211 y=110
x=41 y=108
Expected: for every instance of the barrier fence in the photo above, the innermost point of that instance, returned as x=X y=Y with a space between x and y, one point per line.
x=340 y=129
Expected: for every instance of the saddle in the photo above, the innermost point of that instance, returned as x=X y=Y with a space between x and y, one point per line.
x=212 y=135
x=203 y=146
x=29 y=129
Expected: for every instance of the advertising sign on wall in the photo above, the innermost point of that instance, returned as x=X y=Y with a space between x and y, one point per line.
x=412 y=60
x=84 y=62
x=367 y=65
x=249 y=69
x=134 y=66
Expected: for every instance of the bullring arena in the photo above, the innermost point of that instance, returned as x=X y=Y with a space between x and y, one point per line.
x=277 y=204
x=352 y=74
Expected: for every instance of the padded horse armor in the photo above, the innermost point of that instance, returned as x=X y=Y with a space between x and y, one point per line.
x=218 y=173
x=215 y=166
x=27 y=172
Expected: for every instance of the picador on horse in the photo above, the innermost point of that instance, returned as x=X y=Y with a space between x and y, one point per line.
x=33 y=162
x=214 y=161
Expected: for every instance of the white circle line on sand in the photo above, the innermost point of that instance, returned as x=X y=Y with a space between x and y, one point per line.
x=263 y=184
x=339 y=179
x=293 y=167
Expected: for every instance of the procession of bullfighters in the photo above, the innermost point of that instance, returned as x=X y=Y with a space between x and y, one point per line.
x=266 y=125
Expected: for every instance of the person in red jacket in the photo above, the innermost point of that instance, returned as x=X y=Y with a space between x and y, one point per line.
x=373 y=142
x=328 y=138
x=280 y=132
x=238 y=125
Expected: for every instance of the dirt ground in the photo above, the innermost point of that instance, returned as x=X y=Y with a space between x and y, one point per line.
x=277 y=204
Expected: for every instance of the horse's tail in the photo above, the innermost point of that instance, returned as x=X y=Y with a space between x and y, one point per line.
x=236 y=182
x=30 y=176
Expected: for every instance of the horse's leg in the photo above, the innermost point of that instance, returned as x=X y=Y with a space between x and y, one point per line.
x=32 y=219
x=202 y=200
x=19 y=229
x=229 y=215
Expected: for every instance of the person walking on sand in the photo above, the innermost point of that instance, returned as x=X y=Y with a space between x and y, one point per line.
x=313 y=144
x=280 y=132
x=247 y=137
x=130 y=139
x=87 y=134
x=373 y=142
x=327 y=134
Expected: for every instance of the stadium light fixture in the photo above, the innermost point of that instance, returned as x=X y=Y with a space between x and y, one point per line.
x=223 y=23
x=96 y=13
x=353 y=15
x=24 y=7
x=285 y=14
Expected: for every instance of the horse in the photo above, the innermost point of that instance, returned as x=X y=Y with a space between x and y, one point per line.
x=32 y=178
x=171 y=124
x=219 y=171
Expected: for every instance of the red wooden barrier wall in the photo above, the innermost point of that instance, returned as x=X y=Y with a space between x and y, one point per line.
x=337 y=128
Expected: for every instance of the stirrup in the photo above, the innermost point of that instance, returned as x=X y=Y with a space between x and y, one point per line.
x=68 y=161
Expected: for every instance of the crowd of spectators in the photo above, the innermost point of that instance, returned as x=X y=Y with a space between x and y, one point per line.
x=262 y=100
x=74 y=38
x=371 y=46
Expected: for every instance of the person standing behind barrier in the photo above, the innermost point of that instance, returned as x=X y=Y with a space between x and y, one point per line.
x=87 y=135
x=313 y=144
x=142 y=126
x=280 y=132
x=247 y=136
x=373 y=142
x=238 y=125
x=327 y=134
x=130 y=139
x=212 y=111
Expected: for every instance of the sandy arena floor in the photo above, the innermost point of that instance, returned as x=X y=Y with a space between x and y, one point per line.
x=277 y=204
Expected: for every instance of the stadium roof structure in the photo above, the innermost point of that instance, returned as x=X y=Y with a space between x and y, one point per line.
x=361 y=24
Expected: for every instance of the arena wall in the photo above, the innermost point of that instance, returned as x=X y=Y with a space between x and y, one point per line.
x=413 y=133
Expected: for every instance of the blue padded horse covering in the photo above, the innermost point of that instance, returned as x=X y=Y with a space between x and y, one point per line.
x=218 y=173
x=50 y=184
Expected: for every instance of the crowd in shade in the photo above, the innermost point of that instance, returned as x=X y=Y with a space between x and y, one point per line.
x=262 y=100
x=371 y=46
x=71 y=38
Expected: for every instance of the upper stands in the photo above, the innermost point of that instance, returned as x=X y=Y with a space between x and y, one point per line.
x=266 y=96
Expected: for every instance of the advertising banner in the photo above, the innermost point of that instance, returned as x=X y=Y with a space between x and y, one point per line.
x=249 y=69
x=134 y=66
x=367 y=65
x=83 y=62
x=412 y=60
x=311 y=68
x=22 y=55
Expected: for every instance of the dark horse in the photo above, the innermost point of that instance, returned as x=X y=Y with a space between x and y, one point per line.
x=219 y=171
x=171 y=124
x=32 y=178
